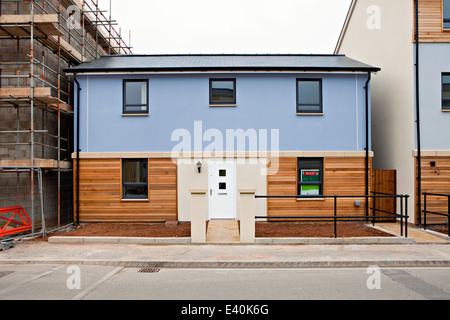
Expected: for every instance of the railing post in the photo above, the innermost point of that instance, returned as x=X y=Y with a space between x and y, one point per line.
x=401 y=215
x=335 y=216
x=406 y=215
x=374 y=208
x=424 y=211
x=247 y=215
x=199 y=213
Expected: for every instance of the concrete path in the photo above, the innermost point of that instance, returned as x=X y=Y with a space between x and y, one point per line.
x=229 y=256
x=423 y=249
x=222 y=231
x=419 y=235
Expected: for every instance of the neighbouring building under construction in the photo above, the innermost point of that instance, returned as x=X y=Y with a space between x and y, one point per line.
x=38 y=40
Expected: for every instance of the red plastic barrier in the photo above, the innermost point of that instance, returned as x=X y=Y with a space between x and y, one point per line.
x=17 y=212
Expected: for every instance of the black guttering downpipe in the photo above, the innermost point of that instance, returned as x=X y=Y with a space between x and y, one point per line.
x=419 y=156
x=369 y=75
x=78 y=147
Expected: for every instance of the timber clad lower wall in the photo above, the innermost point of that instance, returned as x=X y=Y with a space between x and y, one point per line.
x=342 y=176
x=100 y=192
x=435 y=179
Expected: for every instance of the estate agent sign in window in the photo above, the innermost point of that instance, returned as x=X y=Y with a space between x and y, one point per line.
x=135 y=96
x=309 y=96
x=310 y=172
x=134 y=179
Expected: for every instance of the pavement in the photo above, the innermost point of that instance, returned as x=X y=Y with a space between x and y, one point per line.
x=422 y=249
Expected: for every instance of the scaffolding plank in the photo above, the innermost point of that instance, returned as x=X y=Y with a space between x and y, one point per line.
x=38 y=162
x=41 y=95
x=24 y=92
x=68 y=51
x=20 y=25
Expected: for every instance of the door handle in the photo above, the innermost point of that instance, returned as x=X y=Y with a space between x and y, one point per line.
x=210 y=192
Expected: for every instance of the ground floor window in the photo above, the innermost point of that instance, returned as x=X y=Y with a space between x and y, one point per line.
x=135 y=179
x=310 y=176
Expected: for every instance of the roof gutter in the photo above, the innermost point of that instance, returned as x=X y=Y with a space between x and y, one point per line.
x=228 y=69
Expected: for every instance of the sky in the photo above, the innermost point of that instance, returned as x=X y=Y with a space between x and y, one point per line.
x=229 y=26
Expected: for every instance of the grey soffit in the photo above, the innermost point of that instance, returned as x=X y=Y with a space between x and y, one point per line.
x=232 y=62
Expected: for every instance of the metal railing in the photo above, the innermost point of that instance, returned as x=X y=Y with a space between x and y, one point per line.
x=425 y=211
x=403 y=215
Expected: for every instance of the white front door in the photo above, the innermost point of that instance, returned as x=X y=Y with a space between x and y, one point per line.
x=222 y=189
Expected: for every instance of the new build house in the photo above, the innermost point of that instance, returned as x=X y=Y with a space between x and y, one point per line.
x=410 y=104
x=150 y=128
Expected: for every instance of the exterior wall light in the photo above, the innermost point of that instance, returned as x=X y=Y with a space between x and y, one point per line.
x=199 y=166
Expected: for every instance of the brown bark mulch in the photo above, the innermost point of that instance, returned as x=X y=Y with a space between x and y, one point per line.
x=262 y=229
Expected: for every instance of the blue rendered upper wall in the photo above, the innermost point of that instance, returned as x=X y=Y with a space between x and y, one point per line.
x=434 y=123
x=264 y=101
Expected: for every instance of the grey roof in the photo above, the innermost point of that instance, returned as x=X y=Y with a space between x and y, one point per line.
x=211 y=62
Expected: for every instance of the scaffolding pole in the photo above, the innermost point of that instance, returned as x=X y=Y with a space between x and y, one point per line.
x=62 y=46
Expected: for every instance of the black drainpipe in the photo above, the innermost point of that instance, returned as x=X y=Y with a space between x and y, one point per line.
x=419 y=157
x=367 y=144
x=78 y=148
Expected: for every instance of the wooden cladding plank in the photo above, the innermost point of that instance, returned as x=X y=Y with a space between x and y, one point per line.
x=435 y=179
x=342 y=176
x=101 y=199
x=431 y=22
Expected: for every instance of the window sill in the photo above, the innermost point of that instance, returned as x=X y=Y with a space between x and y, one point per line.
x=223 y=105
x=135 y=114
x=445 y=110
x=309 y=114
x=134 y=200
x=310 y=199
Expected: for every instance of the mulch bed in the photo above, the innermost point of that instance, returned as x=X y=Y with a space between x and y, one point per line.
x=316 y=229
x=262 y=229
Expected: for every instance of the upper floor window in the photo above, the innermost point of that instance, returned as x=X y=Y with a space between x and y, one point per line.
x=134 y=179
x=135 y=96
x=222 y=91
x=446 y=14
x=309 y=96
x=446 y=91
x=310 y=176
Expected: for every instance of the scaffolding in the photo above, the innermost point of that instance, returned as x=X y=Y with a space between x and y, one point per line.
x=38 y=40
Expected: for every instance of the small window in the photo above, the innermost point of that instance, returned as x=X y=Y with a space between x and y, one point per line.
x=446 y=14
x=222 y=91
x=135 y=96
x=309 y=96
x=134 y=179
x=446 y=91
x=222 y=185
x=310 y=176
